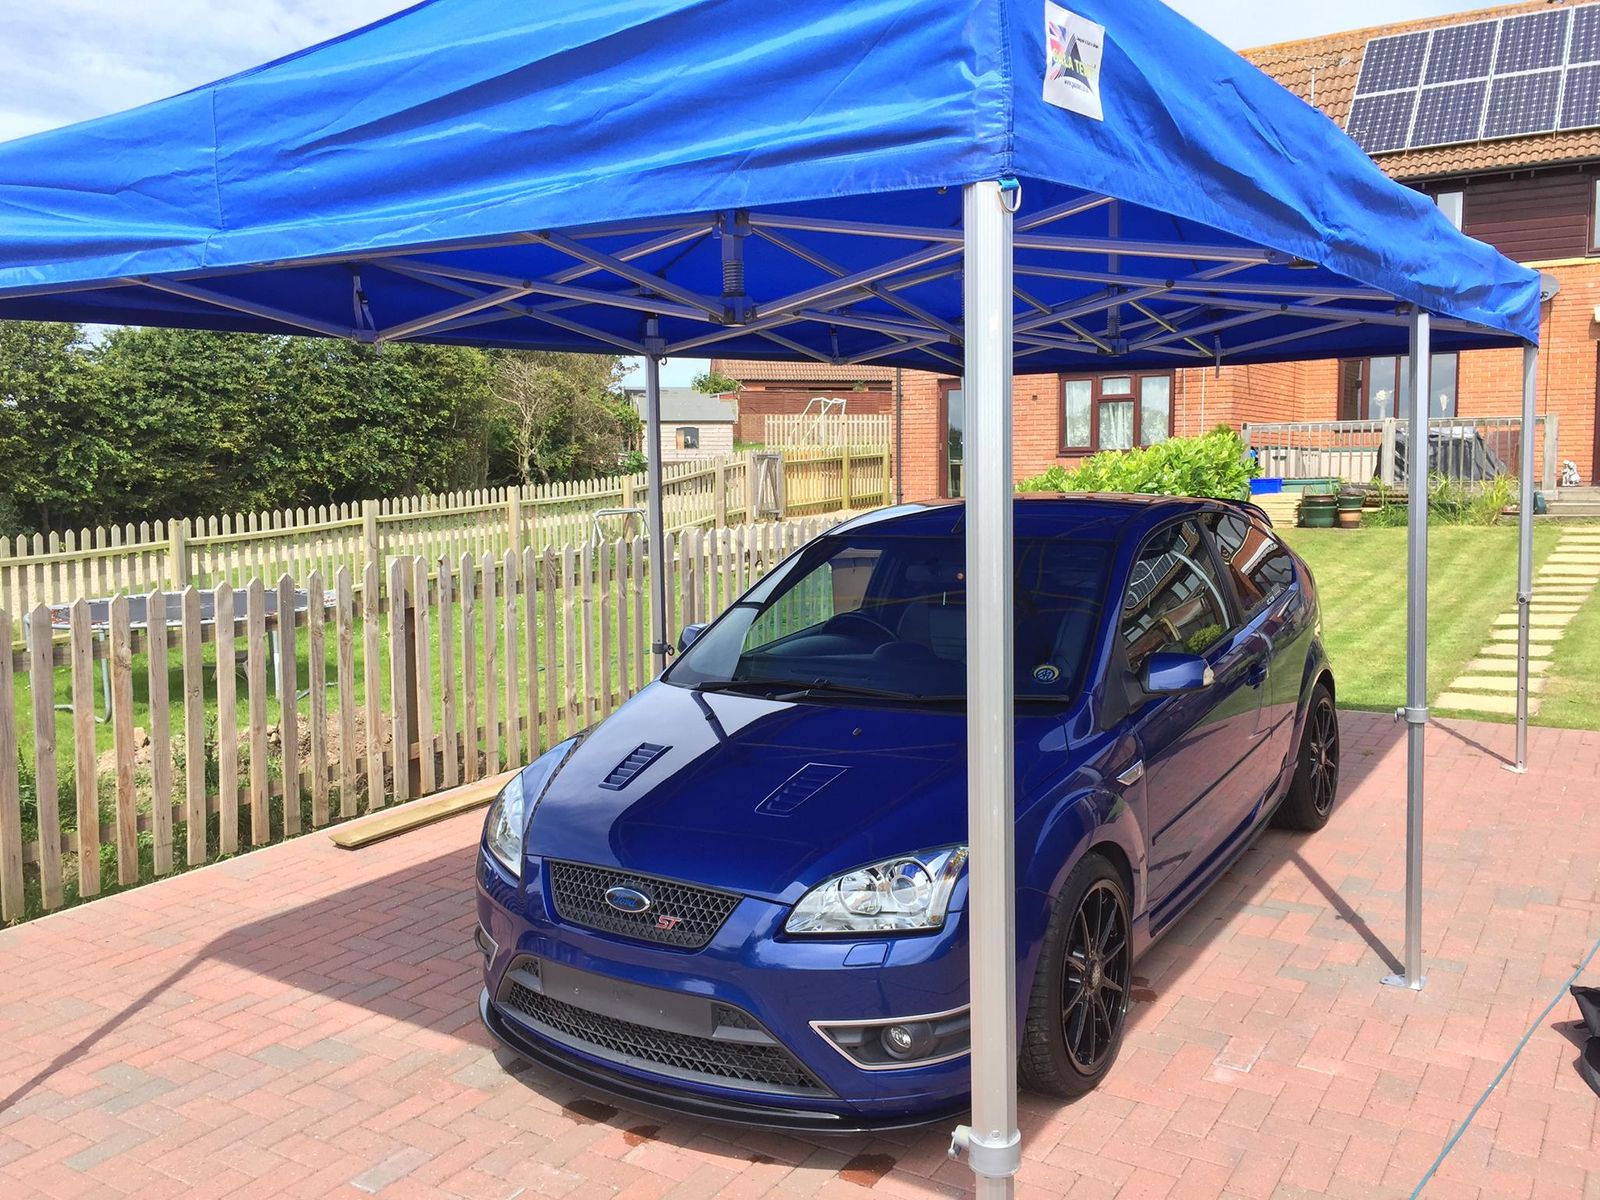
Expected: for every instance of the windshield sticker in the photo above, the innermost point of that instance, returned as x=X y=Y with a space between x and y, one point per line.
x=1073 y=46
x=1046 y=673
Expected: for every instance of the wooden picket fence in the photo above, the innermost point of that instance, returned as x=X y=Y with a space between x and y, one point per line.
x=857 y=430
x=58 y=568
x=468 y=666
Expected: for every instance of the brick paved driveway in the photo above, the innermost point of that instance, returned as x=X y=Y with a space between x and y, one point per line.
x=301 y=1022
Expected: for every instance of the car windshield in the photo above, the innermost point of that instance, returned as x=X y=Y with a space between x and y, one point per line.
x=886 y=617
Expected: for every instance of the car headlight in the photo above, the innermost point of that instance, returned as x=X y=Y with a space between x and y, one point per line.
x=507 y=822
x=898 y=895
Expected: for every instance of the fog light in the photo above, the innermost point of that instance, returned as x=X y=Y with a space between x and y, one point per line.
x=906 y=1042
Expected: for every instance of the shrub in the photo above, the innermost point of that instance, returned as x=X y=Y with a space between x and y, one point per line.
x=1451 y=503
x=1214 y=464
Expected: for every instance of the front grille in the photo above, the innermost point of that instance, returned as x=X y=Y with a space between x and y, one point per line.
x=765 y=1067
x=679 y=915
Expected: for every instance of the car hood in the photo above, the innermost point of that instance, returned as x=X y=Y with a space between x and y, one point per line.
x=759 y=796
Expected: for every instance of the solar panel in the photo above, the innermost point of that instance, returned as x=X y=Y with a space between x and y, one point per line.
x=1392 y=62
x=1585 y=46
x=1528 y=74
x=1462 y=52
x=1453 y=113
x=1380 y=123
x=1532 y=42
x=1521 y=104
x=1580 y=101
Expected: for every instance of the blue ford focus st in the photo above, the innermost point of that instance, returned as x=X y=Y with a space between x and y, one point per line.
x=742 y=895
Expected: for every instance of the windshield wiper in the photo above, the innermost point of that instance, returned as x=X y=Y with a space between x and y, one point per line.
x=828 y=687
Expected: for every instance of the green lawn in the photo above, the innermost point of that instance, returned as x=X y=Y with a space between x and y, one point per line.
x=1472 y=579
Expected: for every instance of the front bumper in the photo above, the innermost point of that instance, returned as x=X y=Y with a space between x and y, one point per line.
x=748 y=969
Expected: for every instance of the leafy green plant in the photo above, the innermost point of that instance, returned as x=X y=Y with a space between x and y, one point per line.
x=1203 y=639
x=1214 y=464
x=1450 y=502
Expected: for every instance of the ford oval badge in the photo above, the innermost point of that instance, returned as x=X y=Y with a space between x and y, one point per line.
x=628 y=900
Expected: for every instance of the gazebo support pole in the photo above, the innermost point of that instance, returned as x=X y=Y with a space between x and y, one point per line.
x=1530 y=371
x=1415 y=711
x=993 y=1145
x=653 y=345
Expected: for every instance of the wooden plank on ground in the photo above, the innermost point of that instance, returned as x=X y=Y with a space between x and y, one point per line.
x=406 y=817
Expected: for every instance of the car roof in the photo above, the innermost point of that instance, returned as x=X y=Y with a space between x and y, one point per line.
x=1091 y=516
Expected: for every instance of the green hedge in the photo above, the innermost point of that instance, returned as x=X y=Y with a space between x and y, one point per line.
x=1214 y=464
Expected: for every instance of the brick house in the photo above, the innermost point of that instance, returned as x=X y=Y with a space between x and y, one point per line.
x=1535 y=197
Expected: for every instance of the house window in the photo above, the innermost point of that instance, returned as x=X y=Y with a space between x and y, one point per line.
x=1594 y=219
x=688 y=437
x=1451 y=204
x=1115 y=412
x=1374 y=389
x=953 y=423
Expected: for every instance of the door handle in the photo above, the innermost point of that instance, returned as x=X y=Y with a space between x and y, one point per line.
x=1256 y=675
x=1132 y=774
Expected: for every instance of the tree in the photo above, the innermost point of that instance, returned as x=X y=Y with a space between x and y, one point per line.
x=714 y=383
x=52 y=430
x=561 y=415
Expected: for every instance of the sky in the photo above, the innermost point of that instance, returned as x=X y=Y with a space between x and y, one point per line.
x=70 y=60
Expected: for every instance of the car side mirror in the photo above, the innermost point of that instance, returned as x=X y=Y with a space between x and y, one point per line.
x=689 y=634
x=1171 y=673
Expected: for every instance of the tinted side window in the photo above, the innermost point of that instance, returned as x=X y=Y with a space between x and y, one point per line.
x=1173 y=601
x=1259 y=565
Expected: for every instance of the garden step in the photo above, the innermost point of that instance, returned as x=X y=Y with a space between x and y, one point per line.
x=1502 y=705
x=1494 y=683
x=1567 y=558
x=1546 y=638
x=1493 y=666
x=1538 y=620
x=1509 y=650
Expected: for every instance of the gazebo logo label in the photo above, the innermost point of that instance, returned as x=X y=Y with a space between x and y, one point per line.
x=1073 y=46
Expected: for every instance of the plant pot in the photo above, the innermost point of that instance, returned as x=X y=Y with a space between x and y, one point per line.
x=1349 y=518
x=1351 y=501
x=1318 y=511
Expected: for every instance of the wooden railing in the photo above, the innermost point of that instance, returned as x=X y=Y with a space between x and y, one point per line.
x=151 y=733
x=1471 y=449
x=862 y=430
x=61 y=567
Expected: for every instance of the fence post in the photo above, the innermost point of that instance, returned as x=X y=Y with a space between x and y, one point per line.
x=1386 y=472
x=178 y=553
x=372 y=547
x=844 y=478
x=885 y=496
x=514 y=516
x=1552 y=430
x=719 y=495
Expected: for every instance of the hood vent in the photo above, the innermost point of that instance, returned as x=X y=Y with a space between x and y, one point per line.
x=798 y=788
x=638 y=759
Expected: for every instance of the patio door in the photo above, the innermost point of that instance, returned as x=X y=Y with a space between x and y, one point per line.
x=952 y=428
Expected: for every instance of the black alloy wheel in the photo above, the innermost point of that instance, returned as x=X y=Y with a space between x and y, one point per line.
x=1096 y=972
x=1078 y=1001
x=1315 y=786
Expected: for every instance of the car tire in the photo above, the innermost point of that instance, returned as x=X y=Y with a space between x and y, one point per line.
x=1078 y=1008
x=1315 y=786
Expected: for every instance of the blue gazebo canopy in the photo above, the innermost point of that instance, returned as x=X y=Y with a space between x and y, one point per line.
x=771 y=180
